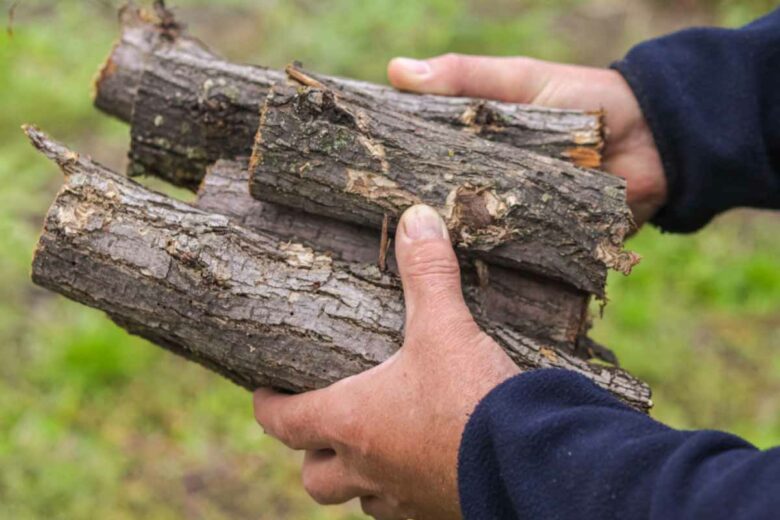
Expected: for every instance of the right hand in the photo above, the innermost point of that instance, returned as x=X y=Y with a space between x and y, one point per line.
x=630 y=152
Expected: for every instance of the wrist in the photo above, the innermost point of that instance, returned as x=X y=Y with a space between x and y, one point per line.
x=633 y=154
x=648 y=191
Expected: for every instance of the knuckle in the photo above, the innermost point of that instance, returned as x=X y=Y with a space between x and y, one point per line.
x=385 y=507
x=364 y=447
x=277 y=428
x=454 y=65
x=319 y=495
x=351 y=430
x=453 y=328
x=283 y=432
x=281 y=425
x=268 y=422
x=451 y=59
x=273 y=415
x=318 y=488
x=522 y=63
x=432 y=260
x=259 y=416
x=345 y=417
x=259 y=407
x=375 y=507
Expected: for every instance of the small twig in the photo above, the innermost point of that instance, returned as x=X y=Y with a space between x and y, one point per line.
x=170 y=28
x=483 y=272
x=301 y=77
x=11 y=13
x=384 y=243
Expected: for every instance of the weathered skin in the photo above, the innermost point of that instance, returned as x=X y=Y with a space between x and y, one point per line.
x=188 y=107
x=242 y=303
x=539 y=308
x=340 y=155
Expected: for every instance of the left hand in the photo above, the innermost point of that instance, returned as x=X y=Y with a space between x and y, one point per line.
x=630 y=151
x=391 y=434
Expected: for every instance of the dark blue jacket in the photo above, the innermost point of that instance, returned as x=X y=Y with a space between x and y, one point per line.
x=549 y=444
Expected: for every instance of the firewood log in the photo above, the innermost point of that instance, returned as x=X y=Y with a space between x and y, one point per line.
x=255 y=309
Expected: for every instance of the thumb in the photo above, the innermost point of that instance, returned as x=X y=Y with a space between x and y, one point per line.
x=428 y=266
x=516 y=80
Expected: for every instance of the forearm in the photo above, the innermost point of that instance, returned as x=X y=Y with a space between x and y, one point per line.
x=712 y=99
x=549 y=444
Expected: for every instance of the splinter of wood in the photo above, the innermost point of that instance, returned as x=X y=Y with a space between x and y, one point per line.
x=384 y=243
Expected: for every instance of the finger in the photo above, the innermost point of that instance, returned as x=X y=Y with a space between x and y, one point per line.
x=517 y=79
x=381 y=509
x=429 y=269
x=296 y=420
x=327 y=479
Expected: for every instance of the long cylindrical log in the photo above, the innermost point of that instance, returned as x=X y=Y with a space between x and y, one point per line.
x=538 y=308
x=143 y=31
x=341 y=155
x=188 y=107
x=254 y=309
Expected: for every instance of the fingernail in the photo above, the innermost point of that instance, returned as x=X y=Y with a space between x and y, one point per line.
x=416 y=67
x=421 y=222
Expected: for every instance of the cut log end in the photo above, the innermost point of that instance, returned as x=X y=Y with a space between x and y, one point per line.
x=144 y=32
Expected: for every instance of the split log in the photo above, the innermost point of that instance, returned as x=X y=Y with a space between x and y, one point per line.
x=242 y=303
x=342 y=155
x=188 y=107
x=539 y=308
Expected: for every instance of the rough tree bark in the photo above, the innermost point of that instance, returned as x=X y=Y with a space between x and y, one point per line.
x=256 y=310
x=189 y=107
x=540 y=308
x=204 y=105
x=341 y=155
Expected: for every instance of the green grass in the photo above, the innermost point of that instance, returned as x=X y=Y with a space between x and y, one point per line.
x=699 y=320
x=97 y=424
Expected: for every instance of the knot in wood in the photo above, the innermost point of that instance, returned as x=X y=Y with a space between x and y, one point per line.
x=479 y=114
x=474 y=215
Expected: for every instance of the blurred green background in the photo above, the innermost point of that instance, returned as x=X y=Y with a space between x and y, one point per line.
x=97 y=424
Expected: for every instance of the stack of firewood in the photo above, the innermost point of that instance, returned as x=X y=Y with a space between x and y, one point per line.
x=281 y=273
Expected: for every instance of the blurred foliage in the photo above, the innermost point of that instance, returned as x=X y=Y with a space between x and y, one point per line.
x=97 y=424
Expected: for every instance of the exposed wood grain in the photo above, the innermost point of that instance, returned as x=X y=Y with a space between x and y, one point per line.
x=340 y=154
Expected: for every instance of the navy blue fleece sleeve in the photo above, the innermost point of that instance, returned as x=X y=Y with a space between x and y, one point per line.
x=712 y=100
x=551 y=444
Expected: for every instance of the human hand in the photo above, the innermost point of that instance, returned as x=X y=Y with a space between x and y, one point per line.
x=630 y=151
x=391 y=434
